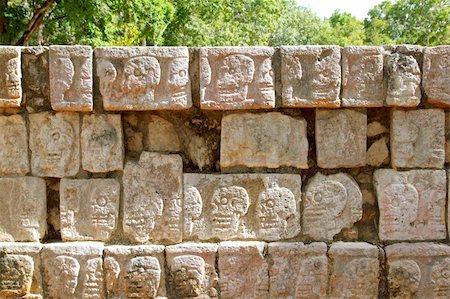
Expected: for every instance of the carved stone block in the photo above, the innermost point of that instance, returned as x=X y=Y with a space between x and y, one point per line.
x=412 y=204
x=436 y=77
x=89 y=209
x=55 y=144
x=331 y=203
x=102 y=147
x=153 y=192
x=237 y=78
x=298 y=270
x=341 y=138
x=144 y=78
x=23 y=209
x=71 y=78
x=36 y=85
x=311 y=76
x=269 y=140
x=13 y=146
x=242 y=206
x=10 y=77
x=418 y=138
x=362 y=77
x=244 y=274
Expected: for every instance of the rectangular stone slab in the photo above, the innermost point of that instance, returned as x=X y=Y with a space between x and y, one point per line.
x=11 y=85
x=35 y=78
x=436 y=77
x=13 y=146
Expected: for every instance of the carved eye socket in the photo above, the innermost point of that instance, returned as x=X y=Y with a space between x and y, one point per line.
x=182 y=73
x=101 y=201
x=232 y=71
x=137 y=72
x=56 y=136
x=446 y=274
x=270 y=203
x=223 y=200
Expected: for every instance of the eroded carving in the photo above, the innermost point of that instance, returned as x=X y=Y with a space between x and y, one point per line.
x=16 y=275
x=404 y=279
x=14 y=146
x=436 y=77
x=35 y=79
x=440 y=278
x=10 y=77
x=62 y=279
x=143 y=277
x=93 y=280
x=193 y=205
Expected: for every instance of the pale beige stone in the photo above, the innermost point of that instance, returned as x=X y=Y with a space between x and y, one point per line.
x=311 y=76
x=418 y=138
x=378 y=153
x=13 y=146
x=144 y=78
x=89 y=209
x=330 y=204
x=269 y=140
x=341 y=138
x=375 y=129
x=161 y=135
x=411 y=203
x=298 y=270
x=35 y=79
x=368 y=197
x=236 y=78
x=436 y=77
x=243 y=206
x=243 y=270
x=447 y=137
x=71 y=78
x=153 y=192
x=102 y=148
x=10 y=77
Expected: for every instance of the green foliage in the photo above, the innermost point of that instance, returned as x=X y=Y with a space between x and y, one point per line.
x=342 y=29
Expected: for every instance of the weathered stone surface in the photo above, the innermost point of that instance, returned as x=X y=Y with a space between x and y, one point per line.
x=298 y=270
x=23 y=209
x=311 y=76
x=375 y=129
x=447 y=137
x=269 y=140
x=243 y=270
x=71 y=78
x=153 y=192
x=10 y=77
x=412 y=204
x=73 y=270
x=55 y=144
x=243 y=206
x=89 y=209
x=354 y=270
x=35 y=80
x=134 y=271
x=378 y=153
x=331 y=203
x=161 y=135
x=144 y=78
x=436 y=77
x=192 y=270
x=236 y=78
x=13 y=146
x=102 y=147
x=418 y=138
x=341 y=138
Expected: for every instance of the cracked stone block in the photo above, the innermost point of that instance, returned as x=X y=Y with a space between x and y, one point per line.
x=144 y=78
x=102 y=148
x=134 y=271
x=10 y=77
x=71 y=78
x=153 y=192
x=89 y=209
x=23 y=209
x=55 y=144
x=35 y=79
x=341 y=138
x=311 y=76
x=244 y=273
x=411 y=203
x=236 y=78
x=13 y=146
x=270 y=140
x=330 y=204
x=418 y=138
x=241 y=206
x=310 y=278
x=436 y=77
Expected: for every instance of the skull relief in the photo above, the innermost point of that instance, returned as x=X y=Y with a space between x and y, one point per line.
x=63 y=277
x=141 y=75
x=178 y=77
x=12 y=79
x=440 y=277
x=103 y=214
x=235 y=74
x=16 y=273
x=93 y=279
x=189 y=275
x=404 y=279
x=143 y=277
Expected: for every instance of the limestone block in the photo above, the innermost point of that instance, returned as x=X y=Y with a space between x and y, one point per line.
x=411 y=203
x=243 y=206
x=161 y=135
x=269 y=140
x=310 y=277
x=144 y=78
x=73 y=270
x=13 y=146
x=378 y=153
x=153 y=192
x=354 y=270
x=55 y=144
x=375 y=129
x=311 y=76
x=418 y=270
x=71 y=78
x=362 y=77
x=418 y=138
x=192 y=270
x=243 y=270
x=23 y=209
x=447 y=137
x=331 y=203
x=236 y=78
x=341 y=138
x=436 y=77
x=134 y=271
x=102 y=147
x=10 y=77
x=35 y=80
x=89 y=209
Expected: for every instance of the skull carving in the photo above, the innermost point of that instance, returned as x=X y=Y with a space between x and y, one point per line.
x=264 y=79
x=141 y=75
x=16 y=273
x=103 y=214
x=93 y=279
x=143 y=277
x=310 y=281
x=12 y=79
x=404 y=279
x=178 y=77
x=193 y=206
x=440 y=277
x=64 y=80
x=189 y=275
x=63 y=277
x=235 y=74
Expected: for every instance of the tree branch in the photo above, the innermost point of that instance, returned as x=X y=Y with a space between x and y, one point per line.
x=35 y=22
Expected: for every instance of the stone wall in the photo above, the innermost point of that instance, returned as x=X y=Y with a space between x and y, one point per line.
x=252 y=172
